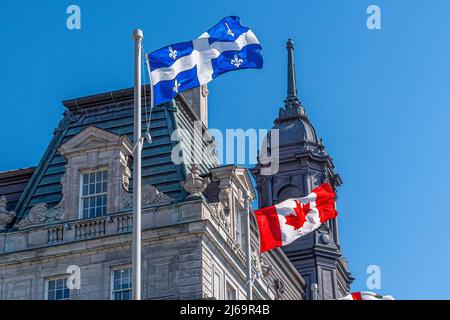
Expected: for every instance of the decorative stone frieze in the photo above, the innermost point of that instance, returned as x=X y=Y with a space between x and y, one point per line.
x=40 y=214
x=150 y=196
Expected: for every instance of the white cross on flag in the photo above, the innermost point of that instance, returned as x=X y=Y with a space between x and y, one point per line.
x=289 y=220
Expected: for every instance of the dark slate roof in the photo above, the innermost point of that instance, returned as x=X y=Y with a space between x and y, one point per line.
x=113 y=112
x=295 y=132
x=12 y=184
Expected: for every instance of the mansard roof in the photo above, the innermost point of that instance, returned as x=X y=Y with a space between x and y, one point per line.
x=113 y=113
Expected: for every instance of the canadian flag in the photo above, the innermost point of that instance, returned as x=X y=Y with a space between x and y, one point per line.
x=289 y=220
x=366 y=295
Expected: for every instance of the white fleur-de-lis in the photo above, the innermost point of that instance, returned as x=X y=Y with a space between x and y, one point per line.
x=236 y=61
x=172 y=53
x=229 y=32
x=176 y=86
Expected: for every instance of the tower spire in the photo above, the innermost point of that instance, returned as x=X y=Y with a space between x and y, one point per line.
x=292 y=105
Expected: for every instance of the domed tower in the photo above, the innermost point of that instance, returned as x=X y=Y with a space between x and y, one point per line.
x=303 y=165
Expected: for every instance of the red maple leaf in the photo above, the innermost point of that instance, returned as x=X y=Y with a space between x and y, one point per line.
x=299 y=218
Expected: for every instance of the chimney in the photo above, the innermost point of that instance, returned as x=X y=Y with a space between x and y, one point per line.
x=198 y=98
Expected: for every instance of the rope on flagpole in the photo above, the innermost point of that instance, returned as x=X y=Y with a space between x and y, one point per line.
x=149 y=114
x=145 y=93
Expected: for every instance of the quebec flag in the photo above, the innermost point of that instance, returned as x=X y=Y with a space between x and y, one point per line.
x=227 y=46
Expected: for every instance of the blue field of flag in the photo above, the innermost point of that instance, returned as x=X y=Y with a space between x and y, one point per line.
x=228 y=46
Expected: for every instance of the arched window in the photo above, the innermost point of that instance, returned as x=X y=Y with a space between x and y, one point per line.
x=287 y=192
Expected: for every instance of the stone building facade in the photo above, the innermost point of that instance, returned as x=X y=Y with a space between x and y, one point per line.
x=73 y=211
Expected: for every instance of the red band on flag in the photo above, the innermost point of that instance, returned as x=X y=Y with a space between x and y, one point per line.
x=356 y=296
x=325 y=202
x=269 y=228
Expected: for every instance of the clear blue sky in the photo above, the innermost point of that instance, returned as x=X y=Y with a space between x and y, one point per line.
x=380 y=100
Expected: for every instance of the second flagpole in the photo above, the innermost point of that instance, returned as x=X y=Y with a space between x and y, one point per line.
x=136 y=238
x=248 y=247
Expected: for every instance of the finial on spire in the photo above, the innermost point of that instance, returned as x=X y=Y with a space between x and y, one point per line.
x=292 y=82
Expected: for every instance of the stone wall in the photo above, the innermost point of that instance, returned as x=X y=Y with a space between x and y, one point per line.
x=171 y=266
x=183 y=246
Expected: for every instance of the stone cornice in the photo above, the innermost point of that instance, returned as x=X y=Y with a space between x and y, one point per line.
x=92 y=101
x=16 y=174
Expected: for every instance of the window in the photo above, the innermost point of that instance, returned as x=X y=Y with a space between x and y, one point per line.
x=239 y=236
x=121 y=284
x=56 y=289
x=216 y=284
x=288 y=192
x=93 y=194
x=231 y=292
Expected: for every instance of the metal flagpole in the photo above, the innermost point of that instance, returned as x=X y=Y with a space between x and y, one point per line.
x=248 y=248
x=136 y=245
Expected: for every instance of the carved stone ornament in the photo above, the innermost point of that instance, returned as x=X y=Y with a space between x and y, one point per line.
x=266 y=269
x=40 y=214
x=195 y=184
x=126 y=175
x=150 y=195
x=314 y=291
x=278 y=286
x=256 y=263
x=260 y=264
x=204 y=90
x=219 y=211
x=6 y=217
x=324 y=238
x=224 y=197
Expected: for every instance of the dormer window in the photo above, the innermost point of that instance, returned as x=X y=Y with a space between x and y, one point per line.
x=93 y=197
x=97 y=173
